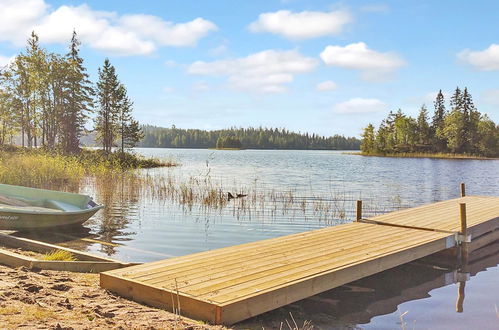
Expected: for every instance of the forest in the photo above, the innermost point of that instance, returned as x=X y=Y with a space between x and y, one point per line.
x=250 y=138
x=48 y=101
x=458 y=129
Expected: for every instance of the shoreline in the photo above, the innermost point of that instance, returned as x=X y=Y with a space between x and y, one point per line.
x=424 y=155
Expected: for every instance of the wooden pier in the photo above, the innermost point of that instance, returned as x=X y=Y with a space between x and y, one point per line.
x=227 y=285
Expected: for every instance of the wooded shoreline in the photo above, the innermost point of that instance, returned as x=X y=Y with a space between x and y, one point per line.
x=425 y=155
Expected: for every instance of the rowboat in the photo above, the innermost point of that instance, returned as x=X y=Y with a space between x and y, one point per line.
x=24 y=208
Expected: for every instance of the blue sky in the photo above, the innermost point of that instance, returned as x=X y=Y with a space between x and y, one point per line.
x=316 y=66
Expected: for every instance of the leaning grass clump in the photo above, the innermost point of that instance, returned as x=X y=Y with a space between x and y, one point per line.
x=59 y=255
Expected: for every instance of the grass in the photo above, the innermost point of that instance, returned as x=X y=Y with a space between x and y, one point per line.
x=41 y=169
x=59 y=255
x=422 y=155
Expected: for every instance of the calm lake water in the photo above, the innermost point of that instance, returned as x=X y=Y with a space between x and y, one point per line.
x=296 y=191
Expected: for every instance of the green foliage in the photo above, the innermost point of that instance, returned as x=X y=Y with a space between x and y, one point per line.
x=252 y=138
x=228 y=142
x=463 y=130
x=46 y=99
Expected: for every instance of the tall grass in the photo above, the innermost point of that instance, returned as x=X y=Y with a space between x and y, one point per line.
x=37 y=168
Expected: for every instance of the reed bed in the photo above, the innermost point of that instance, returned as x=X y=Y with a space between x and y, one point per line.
x=204 y=195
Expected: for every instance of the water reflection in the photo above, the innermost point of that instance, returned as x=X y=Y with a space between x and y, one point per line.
x=357 y=303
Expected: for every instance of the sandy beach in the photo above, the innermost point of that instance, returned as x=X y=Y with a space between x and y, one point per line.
x=31 y=299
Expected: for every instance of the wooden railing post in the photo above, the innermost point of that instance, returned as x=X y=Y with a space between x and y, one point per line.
x=359 y=210
x=463 y=189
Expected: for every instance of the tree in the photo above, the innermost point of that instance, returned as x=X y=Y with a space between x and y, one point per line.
x=452 y=131
x=78 y=99
x=129 y=129
x=368 y=139
x=471 y=119
x=438 y=140
x=488 y=144
x=423 y=128
x=133 y=134
x=108 y=92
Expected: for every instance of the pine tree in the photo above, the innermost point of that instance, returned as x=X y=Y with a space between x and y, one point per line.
x=108 y=93
x=129 y=129
x=133 y=134
x=438 y=141
x=368 y=140
x=423 y=128
x=78 y=99
x=471 y=119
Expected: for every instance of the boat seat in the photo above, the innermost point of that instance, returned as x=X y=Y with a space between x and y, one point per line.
x=62 y=206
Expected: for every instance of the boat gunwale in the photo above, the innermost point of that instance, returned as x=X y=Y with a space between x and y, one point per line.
x=55 y=213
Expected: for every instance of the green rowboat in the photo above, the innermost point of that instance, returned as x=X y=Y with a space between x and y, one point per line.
x=24 y=208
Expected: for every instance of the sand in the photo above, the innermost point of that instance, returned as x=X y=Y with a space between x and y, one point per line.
x=31 y=299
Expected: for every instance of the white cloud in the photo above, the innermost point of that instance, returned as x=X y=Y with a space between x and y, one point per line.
x=201 y=86
x=168 y=89
x=483 y=60
x=267 y=71
x=302 y=25
x=17 y=18
x=219 y=50
x=359 y=106
x=134 y=34
x=491 y=96
x=4 y=60
x=374 y=66
x=327 y=85
x=167 y=33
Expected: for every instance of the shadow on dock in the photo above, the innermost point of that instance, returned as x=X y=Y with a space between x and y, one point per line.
x=358 y=302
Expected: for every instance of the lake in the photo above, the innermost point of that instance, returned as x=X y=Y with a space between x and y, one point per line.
x=294 y=191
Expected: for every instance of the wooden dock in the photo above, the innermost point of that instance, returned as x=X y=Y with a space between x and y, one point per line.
x=231 y=284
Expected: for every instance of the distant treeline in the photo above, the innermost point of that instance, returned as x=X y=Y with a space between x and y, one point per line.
x=460 y=130
x=251 y=138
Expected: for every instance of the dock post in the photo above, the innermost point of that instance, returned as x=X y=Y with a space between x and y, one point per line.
x=359 y=210
x=464 y=233
x=463 y=189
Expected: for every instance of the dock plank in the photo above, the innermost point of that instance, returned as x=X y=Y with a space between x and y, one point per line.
x=231 y=284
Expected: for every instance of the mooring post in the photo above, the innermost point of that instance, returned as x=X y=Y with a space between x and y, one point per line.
x=464 y=233
x=463 y=189
x=359 y=210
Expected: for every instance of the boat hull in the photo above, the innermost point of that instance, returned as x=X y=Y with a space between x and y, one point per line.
x=19 y=221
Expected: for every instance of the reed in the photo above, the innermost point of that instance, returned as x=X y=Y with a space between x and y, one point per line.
x=205 y=196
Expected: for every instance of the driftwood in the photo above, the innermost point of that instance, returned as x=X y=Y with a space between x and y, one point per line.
x=12 y=201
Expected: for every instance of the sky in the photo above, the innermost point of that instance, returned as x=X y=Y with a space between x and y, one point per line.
x=314 y=66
